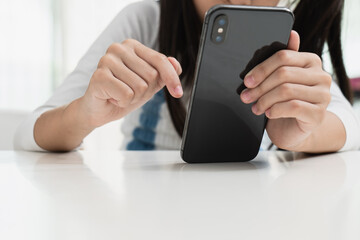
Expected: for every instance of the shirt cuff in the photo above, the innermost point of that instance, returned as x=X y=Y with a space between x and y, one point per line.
x=24 y=135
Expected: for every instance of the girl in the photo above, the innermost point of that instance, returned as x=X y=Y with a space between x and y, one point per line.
x=151 y=45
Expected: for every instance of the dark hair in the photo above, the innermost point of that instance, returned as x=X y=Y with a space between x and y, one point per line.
x=317 y=22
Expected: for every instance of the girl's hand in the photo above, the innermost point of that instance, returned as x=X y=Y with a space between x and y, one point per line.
x=126 y=78
x=293 y=90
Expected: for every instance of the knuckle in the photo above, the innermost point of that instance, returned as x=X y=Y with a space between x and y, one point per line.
x=142 y=87
x=128 y=94
x=101 y=63
x=286 y=90
x=261 y=70
x=130 y=42
x=100 y=75
x=316 y=59
x=159 y=84
x=127 y=42
x=283 y=56
x=320 y=114
x=160 y=57
x=121 y=49
x=327 y=79
x=152 y=75
x=260 y=104
x=258 y=91
x=284 y=73
x=105 y=61
x=117 y=49
x=326 y=96
x=295 y=105
x=275 y=111
x=112 y=48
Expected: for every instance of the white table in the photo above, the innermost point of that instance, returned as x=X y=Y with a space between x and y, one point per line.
x=154 y=195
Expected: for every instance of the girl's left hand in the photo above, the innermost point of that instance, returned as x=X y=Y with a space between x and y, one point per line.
x=293 y=90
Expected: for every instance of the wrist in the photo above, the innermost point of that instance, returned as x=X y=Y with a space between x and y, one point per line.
x=329 y=136
x=62 y=128
x=76 y=114
x=306 y=145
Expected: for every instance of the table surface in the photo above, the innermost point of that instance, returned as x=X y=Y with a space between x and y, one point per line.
x=155 y=195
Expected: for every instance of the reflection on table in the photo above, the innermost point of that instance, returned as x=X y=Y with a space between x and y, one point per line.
x=155 y=195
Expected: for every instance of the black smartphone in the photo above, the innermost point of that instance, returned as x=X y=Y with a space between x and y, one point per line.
x=219 y=127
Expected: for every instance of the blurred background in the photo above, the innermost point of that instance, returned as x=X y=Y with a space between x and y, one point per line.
x=42 y=40
x=41 y=43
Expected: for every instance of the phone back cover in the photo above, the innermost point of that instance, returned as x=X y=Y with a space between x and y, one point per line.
x=219 y=126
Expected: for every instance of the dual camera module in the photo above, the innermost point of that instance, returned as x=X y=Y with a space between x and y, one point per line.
x=219 y=29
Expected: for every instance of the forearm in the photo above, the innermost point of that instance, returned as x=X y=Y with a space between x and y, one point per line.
x=61 y=129
x=330 y=136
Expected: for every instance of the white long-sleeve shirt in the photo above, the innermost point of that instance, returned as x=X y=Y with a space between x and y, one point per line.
x=149 y=127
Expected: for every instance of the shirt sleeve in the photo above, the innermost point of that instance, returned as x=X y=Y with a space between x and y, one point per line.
x=340 y=106
x=137 y=21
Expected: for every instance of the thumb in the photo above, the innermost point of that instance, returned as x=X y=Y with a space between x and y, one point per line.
x=176 y=65
x=294 y=41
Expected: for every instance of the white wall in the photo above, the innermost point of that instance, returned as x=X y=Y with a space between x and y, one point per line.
x=41 y=42
x=351 y=37
x=25 y=53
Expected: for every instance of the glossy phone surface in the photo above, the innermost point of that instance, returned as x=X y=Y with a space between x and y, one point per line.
x=219 y=127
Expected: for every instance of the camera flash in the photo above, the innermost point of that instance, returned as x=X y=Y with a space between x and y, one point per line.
x=220 y=30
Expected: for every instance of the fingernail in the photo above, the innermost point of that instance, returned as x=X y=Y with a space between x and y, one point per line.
x=249 y=81
x=267 y=113
x=254 y=109
x=178 y=91
x=180 y=69
x=245 y=95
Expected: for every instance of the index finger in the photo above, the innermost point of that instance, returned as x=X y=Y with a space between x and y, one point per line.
x=280 y=58
x=162 y=64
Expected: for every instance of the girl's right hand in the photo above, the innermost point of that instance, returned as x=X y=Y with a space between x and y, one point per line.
x=127 y=76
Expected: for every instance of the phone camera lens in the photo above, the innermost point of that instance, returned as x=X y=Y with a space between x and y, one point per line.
x=219 y=29
x=222 y=22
